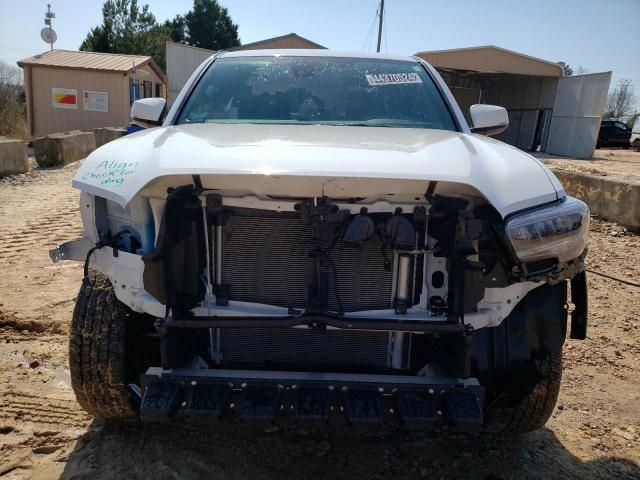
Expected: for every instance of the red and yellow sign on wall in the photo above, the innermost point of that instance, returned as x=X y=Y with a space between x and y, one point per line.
x=65 y=98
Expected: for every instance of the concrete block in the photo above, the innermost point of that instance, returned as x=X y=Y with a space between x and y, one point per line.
x=107 y=134
x=60 y=149
x=614 y=198
x=13 y=157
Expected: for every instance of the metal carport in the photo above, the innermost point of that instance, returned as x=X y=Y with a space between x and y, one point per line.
x=547 y=112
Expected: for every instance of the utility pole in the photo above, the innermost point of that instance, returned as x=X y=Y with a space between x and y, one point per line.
x=380 y=25
x=47 y=21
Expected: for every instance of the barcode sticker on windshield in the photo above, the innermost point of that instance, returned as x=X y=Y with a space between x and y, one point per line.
x=393 y=78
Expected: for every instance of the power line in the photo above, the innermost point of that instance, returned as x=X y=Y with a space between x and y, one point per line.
x=370 y=34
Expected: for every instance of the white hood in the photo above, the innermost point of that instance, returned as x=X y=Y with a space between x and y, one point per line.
x=507 y=177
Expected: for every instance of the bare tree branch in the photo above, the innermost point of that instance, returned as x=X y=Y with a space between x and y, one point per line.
x=621 y=100
x=12 y=111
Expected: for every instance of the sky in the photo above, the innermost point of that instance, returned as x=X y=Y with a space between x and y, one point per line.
x=598 y=35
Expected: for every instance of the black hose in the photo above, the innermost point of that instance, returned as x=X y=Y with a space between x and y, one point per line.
x=111 y=242
x=611 y=277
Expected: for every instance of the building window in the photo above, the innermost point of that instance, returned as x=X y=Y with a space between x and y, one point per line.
x=147 y=87
x=159 y=90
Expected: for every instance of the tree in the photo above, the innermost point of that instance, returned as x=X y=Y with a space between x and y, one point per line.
x=177 y=29
x=621 y=101
x=127 y=28
x=581 y=70
x=566 y=69
x=207 y=25
x=12 y=109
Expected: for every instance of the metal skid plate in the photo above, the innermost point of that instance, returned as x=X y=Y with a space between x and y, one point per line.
x=264 y=397
x=416 y=408
x=160 y=401
x=260 y=403
x=463 y=409
x=312 y=405
x=208 y=399
x=363 y=405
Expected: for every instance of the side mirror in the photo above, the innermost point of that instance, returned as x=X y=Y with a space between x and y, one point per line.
x=148 y=110
x=489 y=119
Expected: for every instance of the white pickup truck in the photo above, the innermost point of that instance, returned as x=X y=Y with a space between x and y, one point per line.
x=321 y=238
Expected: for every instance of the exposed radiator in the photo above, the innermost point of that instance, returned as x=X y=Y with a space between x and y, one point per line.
x=304 y=348
x=265 y=260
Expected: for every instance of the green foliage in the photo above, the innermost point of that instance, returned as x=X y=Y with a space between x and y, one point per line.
x=177 y=29
x=210 y=26
x=127 y=28
x=568 y=71
x=207 y=25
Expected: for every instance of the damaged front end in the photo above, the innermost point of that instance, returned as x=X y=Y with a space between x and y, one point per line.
x=409 y=308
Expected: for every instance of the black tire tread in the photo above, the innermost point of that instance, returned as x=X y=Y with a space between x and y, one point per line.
x=97 y=357
x=536 y=408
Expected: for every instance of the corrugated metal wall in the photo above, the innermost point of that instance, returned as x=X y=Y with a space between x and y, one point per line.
x=46 y=119
x=577 y=114
x=526 y=98
x=182 y=60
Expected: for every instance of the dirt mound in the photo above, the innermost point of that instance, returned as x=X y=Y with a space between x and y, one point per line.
x=12 y=321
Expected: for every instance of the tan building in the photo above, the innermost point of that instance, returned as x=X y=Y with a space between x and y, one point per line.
x=292 y=40
x=70 y=90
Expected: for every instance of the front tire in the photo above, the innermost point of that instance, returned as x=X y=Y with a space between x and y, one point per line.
x=98 y=358
x=636 y=146
x=532 y=411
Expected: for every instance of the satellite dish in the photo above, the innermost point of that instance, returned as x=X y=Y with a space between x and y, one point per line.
x=48 y=35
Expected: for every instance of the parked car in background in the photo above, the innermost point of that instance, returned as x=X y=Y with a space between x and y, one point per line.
x=635 y=135
x=613 y=134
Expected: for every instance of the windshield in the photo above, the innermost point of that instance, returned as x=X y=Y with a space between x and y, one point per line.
x=317 y=90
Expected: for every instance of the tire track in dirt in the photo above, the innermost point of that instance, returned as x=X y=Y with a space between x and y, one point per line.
x=40 y=211
x=44 y=433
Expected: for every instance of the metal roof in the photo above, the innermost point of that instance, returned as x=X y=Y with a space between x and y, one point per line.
x=114 y=62
x=308 y=52
x=491 y=59
x=289 y=36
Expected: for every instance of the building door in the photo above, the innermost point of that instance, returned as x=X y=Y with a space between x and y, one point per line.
x=577 y=113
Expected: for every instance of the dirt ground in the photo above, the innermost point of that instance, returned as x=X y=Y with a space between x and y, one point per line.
x=616 y=162
x=594 y=432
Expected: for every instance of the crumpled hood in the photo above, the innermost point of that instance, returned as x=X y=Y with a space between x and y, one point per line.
x=507 y=177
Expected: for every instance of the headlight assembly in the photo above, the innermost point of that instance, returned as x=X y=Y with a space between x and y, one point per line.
x=556 y=231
